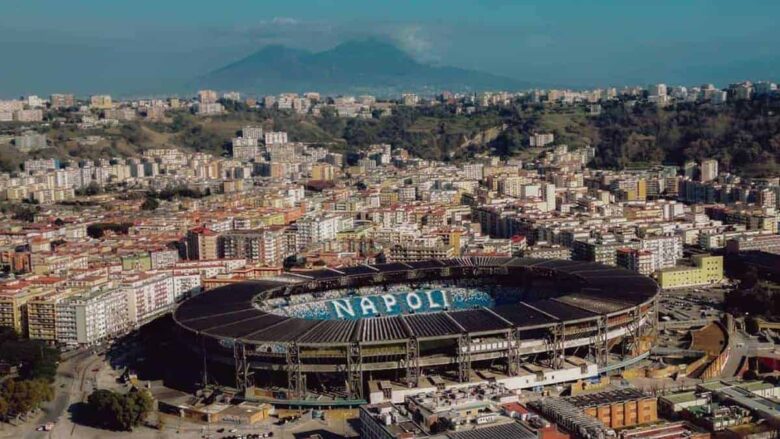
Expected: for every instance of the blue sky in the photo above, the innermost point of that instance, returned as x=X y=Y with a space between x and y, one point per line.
x=144 y=46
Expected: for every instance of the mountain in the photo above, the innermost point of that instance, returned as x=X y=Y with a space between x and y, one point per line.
x=364 y=66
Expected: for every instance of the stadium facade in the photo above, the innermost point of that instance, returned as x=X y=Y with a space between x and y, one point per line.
x=327 y=333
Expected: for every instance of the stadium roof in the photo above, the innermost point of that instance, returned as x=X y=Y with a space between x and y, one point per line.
x=230 y=311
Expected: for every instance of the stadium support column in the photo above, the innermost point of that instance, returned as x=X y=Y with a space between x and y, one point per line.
x=294 y=376
x=205 y=360
x=412 y=362
x=653 y=316
x=513 y=352
x=600 y=342
x=464 y=358
x=242 y=367
x=633 y=335
x=559 y=343
x=355 y=371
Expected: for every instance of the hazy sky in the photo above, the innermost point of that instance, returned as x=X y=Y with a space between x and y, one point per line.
x=146 y=46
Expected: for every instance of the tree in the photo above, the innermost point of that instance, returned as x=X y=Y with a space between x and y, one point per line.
x=3 y=408
x=38 y=360
x=150 y=204
x=98 y=230
x=25 y=212
x=93 y=188
x=119 y=411
x=20 y=397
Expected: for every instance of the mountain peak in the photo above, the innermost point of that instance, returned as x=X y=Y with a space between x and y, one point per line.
x=368 y=65
x=368 y=44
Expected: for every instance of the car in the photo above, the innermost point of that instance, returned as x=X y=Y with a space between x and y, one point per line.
x=232 y=430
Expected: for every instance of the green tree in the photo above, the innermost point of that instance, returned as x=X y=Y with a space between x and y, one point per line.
x=117 y=411
x=3 y=408
x=23 y=396
x=150 y=204
x=93 y=188
x=38 y=360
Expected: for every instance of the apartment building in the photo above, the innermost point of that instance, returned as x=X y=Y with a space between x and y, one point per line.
x=100 y=102
x=62 y=101
x=202 y=243
x=275 y=138
x=419 y=250
x=149 y=295
x=666 y=250
x=640 y=261
x=263 y=246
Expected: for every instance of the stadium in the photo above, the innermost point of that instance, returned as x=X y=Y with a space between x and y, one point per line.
x=337 y=336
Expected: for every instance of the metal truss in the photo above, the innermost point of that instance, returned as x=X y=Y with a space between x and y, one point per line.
x=295 y=378
x=355 y=370
x=464 y=357
x=242 y=366
x=412 y=362
x=513 y=352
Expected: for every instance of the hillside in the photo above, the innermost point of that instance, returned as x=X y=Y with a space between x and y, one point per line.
x=744 y=136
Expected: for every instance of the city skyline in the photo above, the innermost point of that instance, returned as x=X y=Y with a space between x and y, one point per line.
x=144 y=48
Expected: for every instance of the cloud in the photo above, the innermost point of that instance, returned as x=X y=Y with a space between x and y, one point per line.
x=413 y=39
x=285 y=21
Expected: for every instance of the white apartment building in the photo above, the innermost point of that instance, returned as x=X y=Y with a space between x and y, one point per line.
x=208 y=268
x=186 y=284
x=163 y=258
x=549 y=196
x=210 y=109
x=666 y=250
x=407 y=193
x=474 y=171
x=709 y=170
x=149 y=295
x=541 y=139
x=252 y=132
x=90 y=317
x=207 y=96
x=316 y=229
x=40 y=165
x=275 y=137
x=511 y=186
x=101 y=315
x=32 y=115
x=30 y=141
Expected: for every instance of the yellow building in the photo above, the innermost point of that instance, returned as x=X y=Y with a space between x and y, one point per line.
x=641 y=189
x=454 y=241
x=273 y=219
x=100 y=102
x=230 y=186
x=387 y=198
x=323 y=171
x=13 y=307
x=42 y=316
x=354 y=234
x=707 y=269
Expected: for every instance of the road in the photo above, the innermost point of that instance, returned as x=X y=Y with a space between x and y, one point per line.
x=71 y=385
x=742 y=346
